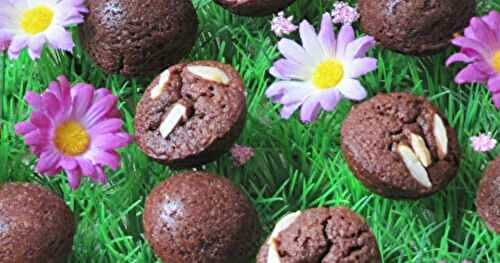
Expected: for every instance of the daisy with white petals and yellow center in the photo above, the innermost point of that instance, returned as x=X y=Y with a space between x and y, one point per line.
x=322 y=71
x=32 y=23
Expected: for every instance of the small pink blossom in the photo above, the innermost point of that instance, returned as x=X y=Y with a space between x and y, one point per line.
x=282 y=25
x=5 y=40
x=483 y=143
x=343 y=13
x=241 y=154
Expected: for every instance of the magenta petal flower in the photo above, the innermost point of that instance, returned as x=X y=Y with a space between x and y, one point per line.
x=480 y=49
x=32 y=23
x=483 y=143
x=74 y=129
x=318 y=74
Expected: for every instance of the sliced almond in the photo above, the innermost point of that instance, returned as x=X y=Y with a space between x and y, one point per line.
x=421 y=150
x=414 y=166
x=283 y=223
x=441 y=136
x=158 y=89
x=209 y=73
x=176 y=114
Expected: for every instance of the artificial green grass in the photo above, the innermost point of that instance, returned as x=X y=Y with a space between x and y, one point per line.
x=296 y=166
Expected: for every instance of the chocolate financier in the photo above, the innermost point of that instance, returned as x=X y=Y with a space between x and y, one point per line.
x=488 y=196
x=400 y=146
x=191 y=114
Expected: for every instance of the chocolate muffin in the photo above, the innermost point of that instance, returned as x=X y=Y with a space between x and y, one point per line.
x=321 y=235
x=488 y=196
x=200 y=217
x=254 y=7
x=414 y=26
x=138 y=37
x=399 y=146
x=191 y=114
x=35 y=225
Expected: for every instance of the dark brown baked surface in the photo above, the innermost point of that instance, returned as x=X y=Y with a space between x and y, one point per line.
x=138 y=37
x=217 y=117
x=414 y=26
x=488 y=196
x=254 y=7
x=35 y=225
x=371 y=133
x=325 y=235
x=200 y=217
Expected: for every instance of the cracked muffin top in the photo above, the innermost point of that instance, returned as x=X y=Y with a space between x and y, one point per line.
x=323 y=235
x=415 y=26
x=138 y=37
x=399 y=146
x=254 y=7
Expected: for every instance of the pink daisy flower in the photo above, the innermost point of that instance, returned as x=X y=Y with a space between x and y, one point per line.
x=74 y=129
x=32 y=23
x=483 y=143
x=480 y=49
x=282 y=25
x=318 y=74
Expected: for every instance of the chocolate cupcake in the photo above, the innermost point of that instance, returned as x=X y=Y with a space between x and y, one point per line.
x=488 y=196
x=200 y=217
x=138 y=37
x=413 y=26
x=191 y=114
x=399 y=146
x=254 y=7
x=35 y=225
x=321 y=235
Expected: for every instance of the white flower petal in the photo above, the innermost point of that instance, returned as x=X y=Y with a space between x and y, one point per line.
x=352 y=89
x=311 y=42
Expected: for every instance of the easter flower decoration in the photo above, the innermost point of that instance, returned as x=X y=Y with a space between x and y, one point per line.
x=483 y=142
x=480 y=49
x=282 y=25
x=74 y=129
x=318 y=74
x=343 y=13
x=32 y=23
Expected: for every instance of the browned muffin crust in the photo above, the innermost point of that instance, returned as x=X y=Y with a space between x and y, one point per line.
x=138 y=37
x=200 y=217
x=216 y=116
x=488 y=196
x=35 y=225
x=414 y=26
x=325 y=235
x=254 y=7
x=372 y=133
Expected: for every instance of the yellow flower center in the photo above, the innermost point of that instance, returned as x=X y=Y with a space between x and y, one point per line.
x=328 y=74
x=496 y=61
x=37 y=19
x=71 y=138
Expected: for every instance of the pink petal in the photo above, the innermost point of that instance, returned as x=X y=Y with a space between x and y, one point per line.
x=293 y=51
x=361 y=66
x=111 y=159
x=110 y=141
x=327 y=36
x=74 y=178
x=493 y=21
x=24 y=127
x=34 y=100
x=470 y=74
x=295 y=95
x=346 y=36
x=472 y=44
x=40 y=120
x=47 y=161
x=458 y=57
x=35 y=46
x=59 y=38
x=51 y=104
x=99 y=110
x=65 y=90
x=82 y=95
x=18 y=43
x=288 y=110
x=101 y=176
x=86 y=167
x=310 y=109
x=107 y=126
x=352 y=89
x=289 y=69
x=330 y=99
x=483 y=32
x=310 y=41
x=359 y=47
x=36 y=138
x=494 y=84
x=68 y=163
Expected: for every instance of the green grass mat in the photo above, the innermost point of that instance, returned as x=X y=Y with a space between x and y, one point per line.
x=296 y=166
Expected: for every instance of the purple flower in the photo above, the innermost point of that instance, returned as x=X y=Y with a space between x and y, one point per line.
x=5 y=39
x=282 y=25
x=32 y=23
x=241 y=154
x=318 y=74
x=74 y=129
x=343 y=13
x=483 y=143
x=480 y=49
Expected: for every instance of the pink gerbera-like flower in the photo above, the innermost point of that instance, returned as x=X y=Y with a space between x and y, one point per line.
x=74 y=129
x=480 y=49
x=483 y=143
x=320 y=72
x=32 y=23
